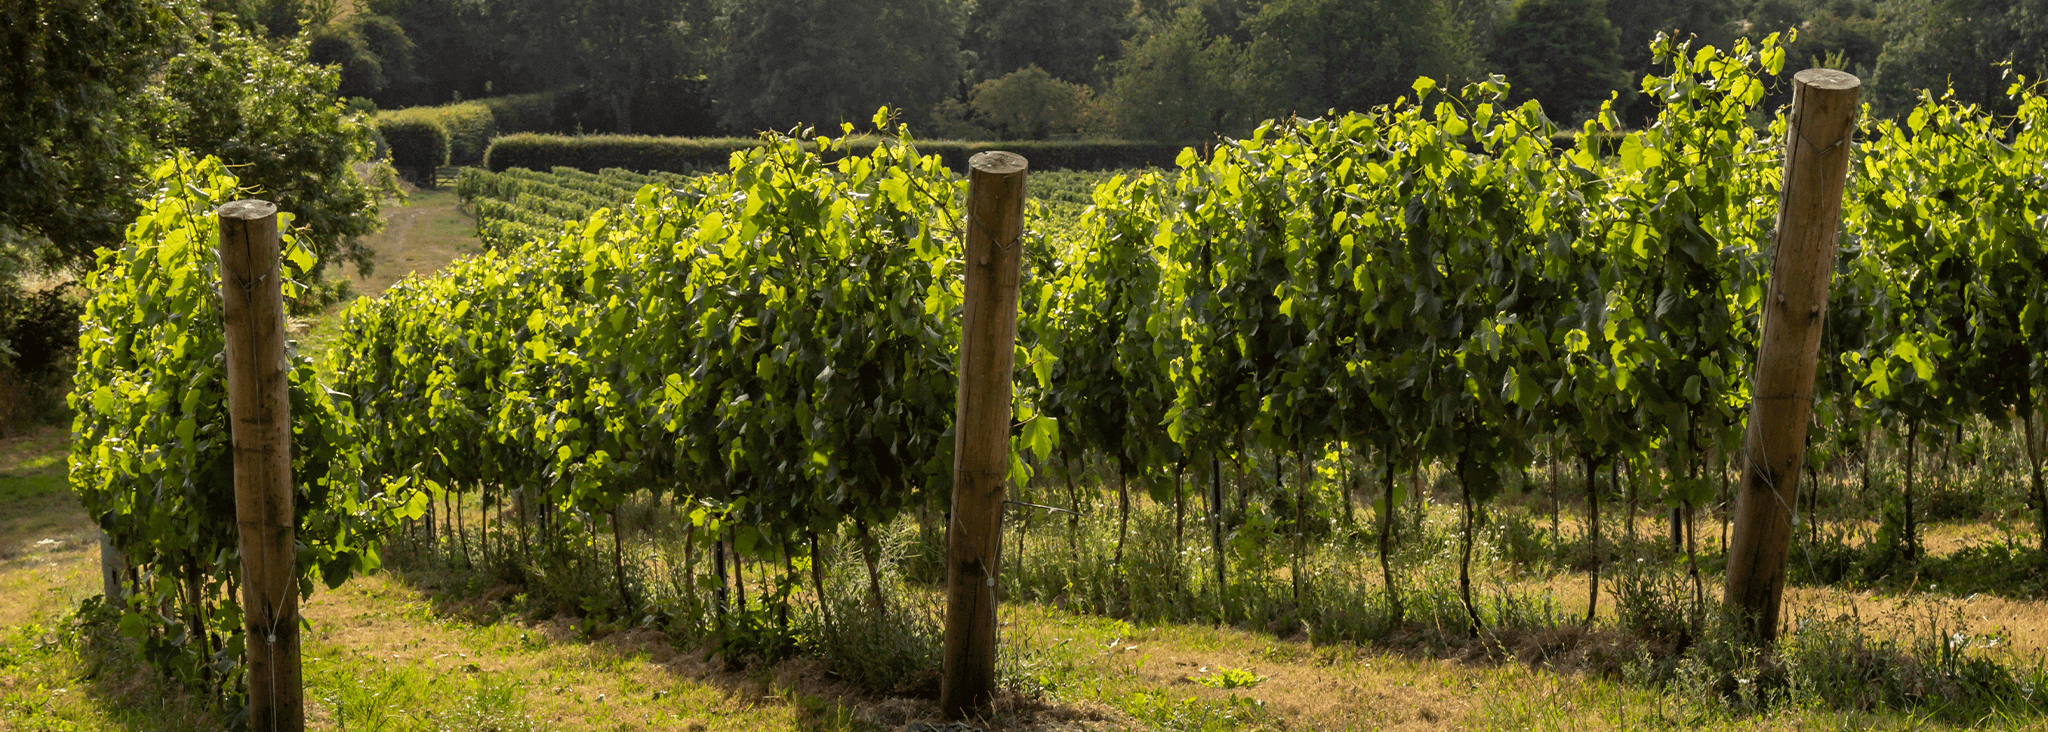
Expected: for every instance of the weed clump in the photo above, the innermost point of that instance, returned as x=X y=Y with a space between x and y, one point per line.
x=890 y=649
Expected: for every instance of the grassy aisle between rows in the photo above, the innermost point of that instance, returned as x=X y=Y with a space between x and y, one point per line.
x=381 y=655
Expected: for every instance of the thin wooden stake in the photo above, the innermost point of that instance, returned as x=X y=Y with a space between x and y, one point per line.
x=260 y=426
x=1822 y=123
x=988 y=334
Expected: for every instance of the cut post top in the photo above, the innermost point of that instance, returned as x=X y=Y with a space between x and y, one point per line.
x=998 y=162
x=1829 y=79
x=248 y=209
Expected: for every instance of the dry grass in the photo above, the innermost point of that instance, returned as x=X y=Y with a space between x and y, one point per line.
x=381 y=655
x=1152 y=674
x=2021 y=625
x=49 y=549
x=377 y=627
x=418 y=238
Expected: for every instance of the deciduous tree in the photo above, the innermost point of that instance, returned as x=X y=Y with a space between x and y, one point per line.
x=821 y=62
x=1562 y=53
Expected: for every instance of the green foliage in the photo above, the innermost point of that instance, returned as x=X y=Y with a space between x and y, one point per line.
x=469 y=127
x=1074 y=40
x=598 y=152
x=519 y=206
x=460 y=49
x=372 y=52
x=1175 y=82
x=1029 y=103
x=526 y=113
x=1307 y=56
x=71 y=141
x=418 y=146
x=1563 y=53
x=616 y=50
x=38 y=330
x=790 y=308
x=93 y=93
x=1959 y=45
x=267 y=112
x=792 y=63
x=150 y=448
x=1702 y=22
x=697 y=154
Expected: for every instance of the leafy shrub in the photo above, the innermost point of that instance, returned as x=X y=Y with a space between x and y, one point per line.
x=470 y=126
x=38 y=338
x=419 y=146
x=1655 y=601
x=151 y=449
x=38 y=330
x=1029 y=104
x=537 y=112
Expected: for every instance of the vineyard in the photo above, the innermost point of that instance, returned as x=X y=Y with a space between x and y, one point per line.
x=1364 y=379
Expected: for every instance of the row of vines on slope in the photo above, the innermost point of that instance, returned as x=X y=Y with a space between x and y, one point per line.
x=150 y=455
x=1431 y=281
x=769 y=350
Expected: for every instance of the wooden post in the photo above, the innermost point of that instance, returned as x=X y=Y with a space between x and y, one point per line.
x=113 y=569
x=981 y=446
x=261 y=428
x=1822 y=123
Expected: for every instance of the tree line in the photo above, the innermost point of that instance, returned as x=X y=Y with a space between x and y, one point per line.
x=1148 y=69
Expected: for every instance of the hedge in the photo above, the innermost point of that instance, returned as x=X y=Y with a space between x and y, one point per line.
x=419 y=146
x=691 y=154
x=470 y=127
x=536 y=112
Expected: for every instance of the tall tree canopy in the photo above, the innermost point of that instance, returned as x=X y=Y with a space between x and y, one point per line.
x=1960 y=44
x=821 y=62
x=1563 y=54
x=1176 y=82
x=1308 y=56
x=615 y=49
x=1072 y=40
x=93 y=91
x=70 y=147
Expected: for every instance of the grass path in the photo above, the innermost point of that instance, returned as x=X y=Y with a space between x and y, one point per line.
x=421 y=237
x=381 y=655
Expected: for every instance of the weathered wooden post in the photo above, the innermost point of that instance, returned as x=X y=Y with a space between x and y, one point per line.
x=1809 y=210
x=113 y=569
x=261 y=428
x=981 y=446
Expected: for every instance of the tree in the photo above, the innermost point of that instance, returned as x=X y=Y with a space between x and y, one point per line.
x=372 y=52
x=93 y=92
x=1959 y=44
x=1030 y=104
x=1074 y=40
x=272 y=116
x=1848 y=30
x=1177 y=83
x=1562 y=53
x=615 y=49
x=70 y=147
x=466 y=47
x=1308 y=56
x=821 y=62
